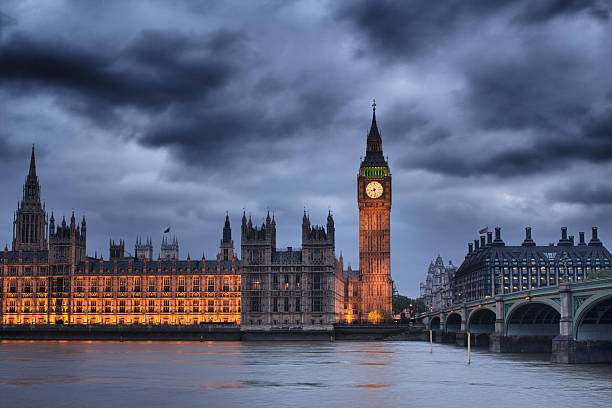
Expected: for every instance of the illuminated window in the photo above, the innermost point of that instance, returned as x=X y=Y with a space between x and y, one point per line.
x=226 y=284
x=42 y=306
x=151 y=285
x=166 y=284
x=42 y=286
x=122 y=284
x=107 y=285
x=196 y=306
x=13 y=286
x=136 y=284
x=211 y=306
x=137 y=306
x=181 y=284
x=27 y=286
x=79 y=285
x=211 y=284
x=107 y=306
x=196 y=284
x=79 y=306
x=92 y=306
x=181 y=306
x=93 y=288
x=286 y=282
x=298 y=281
x=226 y=306
x=151 y=308
x=166 y=306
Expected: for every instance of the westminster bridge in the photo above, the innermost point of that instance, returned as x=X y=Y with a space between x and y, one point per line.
x=573 y=321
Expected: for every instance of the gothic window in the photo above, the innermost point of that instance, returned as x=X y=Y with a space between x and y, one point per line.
x=316 y=304
x=211 y=306
x=286 y=304
x=137 y=306
x=122 y=284
x=316 y=281
x=256 y=304
x=166 y=284
x=13 y=286
x=27 y=286
x=211 y=284
x=226 y=306
x=151 y=307
x=181 y=284
x=92 y=306
x=41 y=306
x=286 y=282
x=181 y=306
x=226 y=284
x=275 y=305
x=255 y=282
x=298 y=281
x=93 y=286
x=196 y=306
x=166 y=306
x=79 y=306
x=196 y=284
x=151 y=285
x=79 y=285
x=136 y=284
x=107 y=306
x=298 y=305
x=107 y=285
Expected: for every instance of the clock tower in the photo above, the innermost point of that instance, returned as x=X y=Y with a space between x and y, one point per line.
x=374 y=200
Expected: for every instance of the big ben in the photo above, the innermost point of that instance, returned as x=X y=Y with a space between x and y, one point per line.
x=374 y=200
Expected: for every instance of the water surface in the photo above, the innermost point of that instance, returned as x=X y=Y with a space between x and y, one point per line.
x=296 y=374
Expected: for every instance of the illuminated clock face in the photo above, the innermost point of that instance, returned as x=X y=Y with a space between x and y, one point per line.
x=374 y=189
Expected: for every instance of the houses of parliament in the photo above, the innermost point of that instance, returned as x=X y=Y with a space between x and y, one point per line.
x=48 y=278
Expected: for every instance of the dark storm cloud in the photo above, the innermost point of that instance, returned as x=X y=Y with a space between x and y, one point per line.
x=398 y=30
x=540 y=11
x=156 y=70
x=586 y=192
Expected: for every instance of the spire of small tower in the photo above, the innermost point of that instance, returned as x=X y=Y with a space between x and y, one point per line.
x=32 y=172
x=227 y=230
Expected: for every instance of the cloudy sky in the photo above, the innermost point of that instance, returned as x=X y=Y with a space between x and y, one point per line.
x=148 y=114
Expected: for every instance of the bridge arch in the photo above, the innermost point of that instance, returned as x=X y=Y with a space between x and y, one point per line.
x=435 y=323
x=593 y=319
x=453 y=323
x=481 y=320
x=533 y=318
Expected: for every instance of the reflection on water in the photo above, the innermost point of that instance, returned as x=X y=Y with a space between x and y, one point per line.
x=352 y=374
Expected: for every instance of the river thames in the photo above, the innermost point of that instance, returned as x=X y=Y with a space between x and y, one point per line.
x=228 y=374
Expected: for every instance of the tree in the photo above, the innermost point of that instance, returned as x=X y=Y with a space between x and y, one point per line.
x=379 y=316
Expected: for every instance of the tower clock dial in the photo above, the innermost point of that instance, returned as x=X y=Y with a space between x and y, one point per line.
x=374 y=189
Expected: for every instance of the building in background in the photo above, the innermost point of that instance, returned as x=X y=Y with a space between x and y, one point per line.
x=437 y=290
x=491 y=268
x=294 y=287
x=47 y=278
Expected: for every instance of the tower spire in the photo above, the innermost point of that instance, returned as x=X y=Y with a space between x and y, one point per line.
x=32 y=172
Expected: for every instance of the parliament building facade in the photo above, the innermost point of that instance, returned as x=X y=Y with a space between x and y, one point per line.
x=48 y=278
